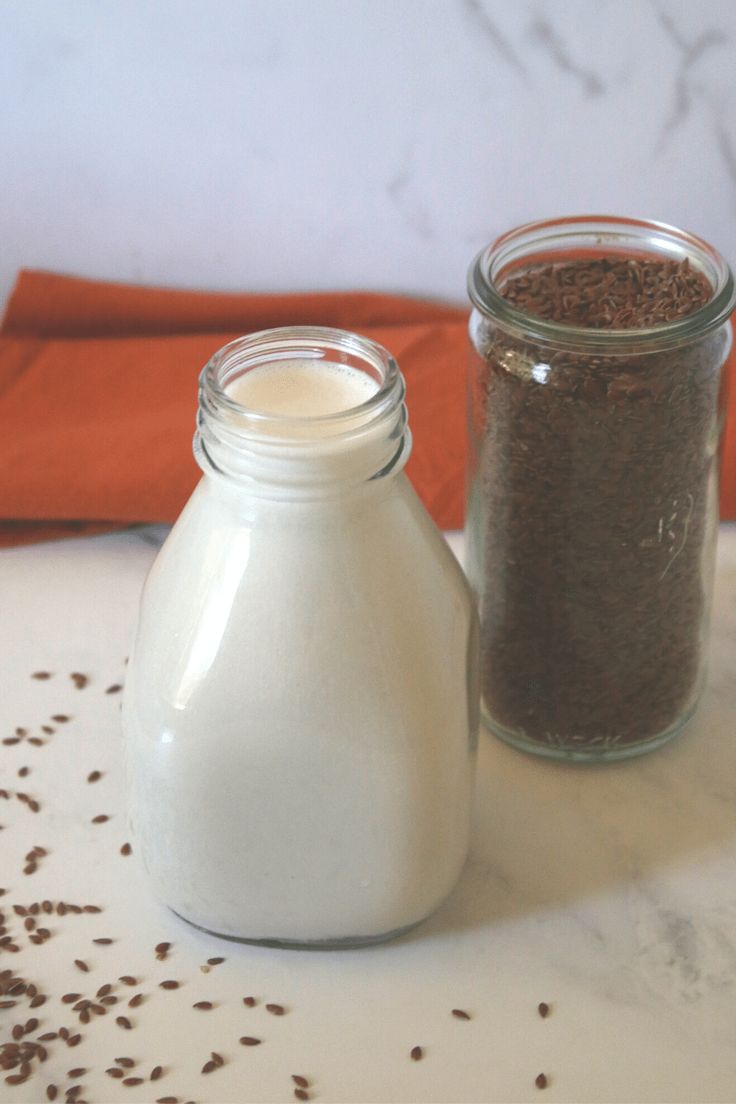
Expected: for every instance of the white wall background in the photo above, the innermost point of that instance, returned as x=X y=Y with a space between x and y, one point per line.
x=297 y=144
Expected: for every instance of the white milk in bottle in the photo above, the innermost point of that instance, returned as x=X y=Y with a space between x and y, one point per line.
x=300 y=708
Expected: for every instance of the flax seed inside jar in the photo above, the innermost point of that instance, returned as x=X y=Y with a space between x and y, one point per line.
x=596 y=404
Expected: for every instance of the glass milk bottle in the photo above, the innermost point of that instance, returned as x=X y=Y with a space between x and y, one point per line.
x=300 y=709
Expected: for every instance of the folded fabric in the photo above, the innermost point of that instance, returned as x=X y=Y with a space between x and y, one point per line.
x=98 y=389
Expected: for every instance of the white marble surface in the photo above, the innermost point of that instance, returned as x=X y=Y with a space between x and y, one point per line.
x=609 y=893
x=277 y=144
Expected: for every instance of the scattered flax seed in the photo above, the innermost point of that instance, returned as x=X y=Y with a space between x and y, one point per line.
x=168 y=984
x=276 y=1009
x=248 y=1040
x=24 y=772
x=249 y=1002
x=78 y=1071
x=47 y=729
x=48 y=1036
x=209 y=1066
x=36 y=741
x=132 y=1081
x=300 y=1081
x=37 y=1001
x=94 y=776
x=41 y=675
x=136 y=1000
x=543 y=1009
x=541 y=1081
x=81 y=965
x=417 y=1053
x=126 y=1063
x=79 y=680
x=214 y=961
x=123 y=1021
x=104 y=990
x=156 y=1072
x=128 y=980
x=167 y=1100
x=101 y=818
x=126 y=849
x=204 y=1005
x=114 y=689
x=217 y=1058
x=301 y=1094
x=73 y=1040
x=113 y=1071
x=103 y=941
x=30 y=1025
x=162 y=949
x=60 y=718
x=70 y=998
x=460 y=1014
x=51 y=1090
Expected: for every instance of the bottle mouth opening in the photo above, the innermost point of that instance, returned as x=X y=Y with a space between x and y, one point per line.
x=593 y=237
x=310 y=343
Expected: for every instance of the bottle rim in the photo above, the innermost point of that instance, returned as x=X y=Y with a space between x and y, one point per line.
x=299 y=342
x=545 y=240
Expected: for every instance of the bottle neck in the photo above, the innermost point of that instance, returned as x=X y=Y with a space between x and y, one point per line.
x=291 y=455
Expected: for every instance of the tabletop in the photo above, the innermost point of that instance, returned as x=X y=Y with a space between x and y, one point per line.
x=591 y=939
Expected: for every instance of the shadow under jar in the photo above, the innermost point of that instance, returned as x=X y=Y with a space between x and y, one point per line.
x=596 y=407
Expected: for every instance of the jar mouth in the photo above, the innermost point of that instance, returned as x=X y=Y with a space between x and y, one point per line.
x=308 y=343
x=595 y=237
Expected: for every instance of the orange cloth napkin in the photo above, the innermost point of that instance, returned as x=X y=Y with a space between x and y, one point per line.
x=98 y=391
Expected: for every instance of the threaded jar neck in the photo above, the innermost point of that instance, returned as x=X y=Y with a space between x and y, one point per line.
x=297 y=454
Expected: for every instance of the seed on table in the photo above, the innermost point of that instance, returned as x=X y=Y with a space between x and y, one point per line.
x=209 y=1066
x=275 y=1009
x=128 y=980
x=300 y=1081
x=72 y=1093
x=126 y=849
x=48 y=1036
x=168 y=984
x=47 y=729
x=417 y=1053
x=113 y=1071
x=162 y=948
x=204 y=1005
x=123 y=1021
x=70 y=998
x=17 y=1032
x=104 y=990
x=541 y=1081
x=101 y=818
x=156 y=1073
x=51 y=1091
x=460 y=1014
x=248 y=1040
x=214 y=961
x=81 y=965
x=30 y=1025
x=543 y=1009
x=78 y=1071
x=60 y=718
x=102 y=941
x=135 y=1001
x=24 y=772
x=114 y=689
x=73 y=1040
x=38 y=1000
x=127 y=1063
x=249 y=1002
x=79 y=680
x=94 y=776
x=132 y=1081
x=30 y=868
x=41 y=675
x=167 y=1100
x=301 y=1094
x=108 y=1000
x=84 y=1016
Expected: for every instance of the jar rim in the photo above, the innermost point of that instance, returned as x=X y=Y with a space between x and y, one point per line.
x=601 y=235
x=292 y=342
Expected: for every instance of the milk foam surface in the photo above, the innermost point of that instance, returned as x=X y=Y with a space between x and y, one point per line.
x=301 y=388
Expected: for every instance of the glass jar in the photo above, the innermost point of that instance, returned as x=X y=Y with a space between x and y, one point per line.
x=593 y=482
x=301 y=701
